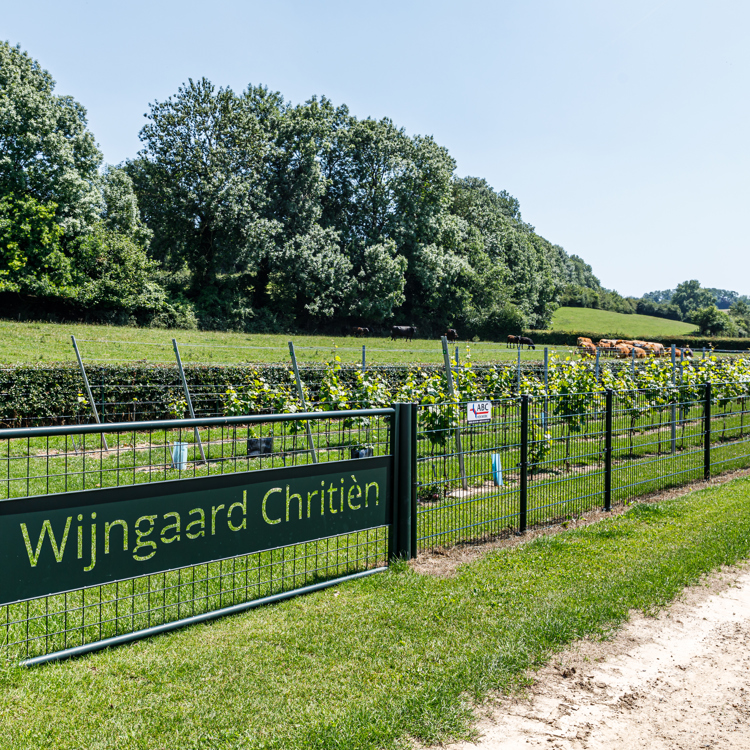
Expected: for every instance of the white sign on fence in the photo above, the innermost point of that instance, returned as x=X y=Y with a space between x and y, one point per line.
x=479 y=411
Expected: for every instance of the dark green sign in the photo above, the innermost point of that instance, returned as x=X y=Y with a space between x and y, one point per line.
x=55 y=543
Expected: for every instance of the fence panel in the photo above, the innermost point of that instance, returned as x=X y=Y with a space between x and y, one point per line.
x=564 y=454
x=566 y=450
x=61 y=499
x=446 y=512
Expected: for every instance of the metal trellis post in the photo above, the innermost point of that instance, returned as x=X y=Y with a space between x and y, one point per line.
x=452 y=391
x=187 y=397
x=92 y=403
x=301 y=393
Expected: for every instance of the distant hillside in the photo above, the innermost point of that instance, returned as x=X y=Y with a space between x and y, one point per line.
x=611 y=323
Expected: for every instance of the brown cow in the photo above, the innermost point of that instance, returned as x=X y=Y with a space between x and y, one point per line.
x=627 y=342
x=451 y=334
x=583 y=340
x=512 y=340
x=360 y=331
x=587 y=350
x=623 y=350
x=639 y=353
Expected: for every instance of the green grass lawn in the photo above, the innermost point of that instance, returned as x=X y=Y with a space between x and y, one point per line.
x=373 y=663
x=611 y=323
x=50 y=342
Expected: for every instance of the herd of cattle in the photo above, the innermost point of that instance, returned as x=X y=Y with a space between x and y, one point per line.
x=404 y=332
x=626 y=348
x=622 y=348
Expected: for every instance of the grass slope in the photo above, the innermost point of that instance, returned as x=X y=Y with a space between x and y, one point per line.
x=369 y=664
x=611 y=323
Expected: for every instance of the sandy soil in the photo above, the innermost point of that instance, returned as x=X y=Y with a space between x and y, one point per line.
x=677 y=681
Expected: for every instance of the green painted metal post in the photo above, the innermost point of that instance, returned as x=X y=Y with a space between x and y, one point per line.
x=524 y=465
x=404 y=534
x=707 y=434
x=608 y=452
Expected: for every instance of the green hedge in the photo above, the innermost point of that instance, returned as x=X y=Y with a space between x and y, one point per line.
x=569 y=338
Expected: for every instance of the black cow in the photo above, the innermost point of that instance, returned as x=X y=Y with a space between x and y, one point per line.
x=403 y=332
x=526 y=340
x=360 y=331
x=512 y=340
x=451 y=334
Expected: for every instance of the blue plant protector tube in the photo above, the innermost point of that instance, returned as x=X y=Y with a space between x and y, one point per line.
x=497 y=470
x=179 y=456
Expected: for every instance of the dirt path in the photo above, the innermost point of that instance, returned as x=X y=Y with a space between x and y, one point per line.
x=675 y=682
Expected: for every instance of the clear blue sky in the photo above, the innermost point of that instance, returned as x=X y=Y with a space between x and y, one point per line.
x=621 y=126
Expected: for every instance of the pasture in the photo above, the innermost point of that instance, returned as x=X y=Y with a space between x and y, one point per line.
x=617 y=325
x=22 y=342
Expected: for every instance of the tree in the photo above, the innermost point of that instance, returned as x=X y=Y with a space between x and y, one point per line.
x=46 y=151
x=200 y=182
x=31 y=259
x=713 y=322
x=689 y=297
x=113 y=275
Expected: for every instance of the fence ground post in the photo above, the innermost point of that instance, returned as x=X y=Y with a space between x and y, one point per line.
x=707 y=434
x=92 y=403
x=546 y=389
x=673 y=408
x=524 y=465
x=402 y=540
x=190 y=400
x=301 y=393
x=414 y=477
x=608 y=452
x=451 y=389
x=364 y=360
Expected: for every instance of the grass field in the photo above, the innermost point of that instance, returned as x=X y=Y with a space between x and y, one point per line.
x=50 y=342
x=374 y=663
x=612 y=323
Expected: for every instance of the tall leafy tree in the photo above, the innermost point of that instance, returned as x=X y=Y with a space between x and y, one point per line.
x=46 y=150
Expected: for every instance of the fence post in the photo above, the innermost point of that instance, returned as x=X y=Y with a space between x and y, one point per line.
x=403 y=537
x=364 y=361
x=608 y=452
x=674 y=407
x=301 y=393
x=451 y=389
x=523 y=519
x=632 y=364
x=546 y=389
x=707 y=434
x=88 y=389
x=189 y=400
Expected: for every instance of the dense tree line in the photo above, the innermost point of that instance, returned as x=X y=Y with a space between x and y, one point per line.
x=245 y=211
